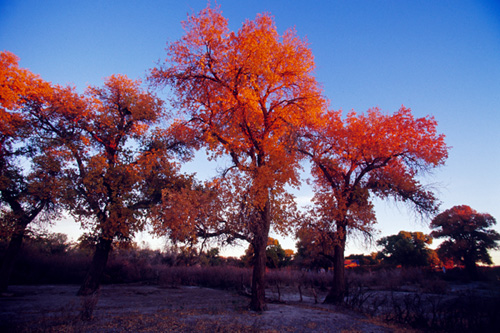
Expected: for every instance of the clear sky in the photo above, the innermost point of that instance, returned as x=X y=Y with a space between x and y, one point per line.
x=439 y=58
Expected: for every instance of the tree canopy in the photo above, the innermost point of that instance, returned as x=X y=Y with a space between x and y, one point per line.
x=468 y=236
x=407 y=249
x=315 y=250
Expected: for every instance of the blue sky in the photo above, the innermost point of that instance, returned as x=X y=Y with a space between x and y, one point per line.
x=439 y=58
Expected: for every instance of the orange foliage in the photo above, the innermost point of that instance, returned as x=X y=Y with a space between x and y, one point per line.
x=247 y=93
x=365 y=155
x=372 y=154
x=218 y=208
x=117 y=160
x=30 y=190
x=17 y=87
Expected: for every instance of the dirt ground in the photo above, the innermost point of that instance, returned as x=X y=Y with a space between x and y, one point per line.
x=146 y=308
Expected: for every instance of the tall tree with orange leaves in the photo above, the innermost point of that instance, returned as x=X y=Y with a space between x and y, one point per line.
x=118 y=159
x=247 y=94
x=362 y=156
x=31 y=192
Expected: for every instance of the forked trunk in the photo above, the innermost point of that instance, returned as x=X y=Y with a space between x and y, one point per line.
x=338 y=290
x=258 y=302
x=13 y=249
x=93 y=278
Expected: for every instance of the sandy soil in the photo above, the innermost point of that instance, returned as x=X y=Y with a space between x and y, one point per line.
x=144 y=308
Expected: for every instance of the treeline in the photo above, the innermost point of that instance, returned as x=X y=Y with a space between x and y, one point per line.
x=49 y=258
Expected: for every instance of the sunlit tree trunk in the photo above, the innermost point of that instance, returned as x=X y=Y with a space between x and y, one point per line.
x=338 y=290
x=258 y=302
x=93 y=278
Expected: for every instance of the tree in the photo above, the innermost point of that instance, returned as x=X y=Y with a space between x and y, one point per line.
x=117 y=159
x=364 y=259
x=276 y=257
x=29 y=193
x=48 y=243
x=365 y=155
x=407 y=249
x=247 y=94
x=314 y=250
x=468 y=236
x=211 y=257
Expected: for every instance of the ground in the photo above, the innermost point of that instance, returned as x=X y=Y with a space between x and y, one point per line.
x=150 y=308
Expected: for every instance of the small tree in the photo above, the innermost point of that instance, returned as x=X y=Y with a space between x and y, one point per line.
x=314 y=250
x=468 y=236
x=276 y=257
x=275 y=254
x=211 y=257
x=406 y=249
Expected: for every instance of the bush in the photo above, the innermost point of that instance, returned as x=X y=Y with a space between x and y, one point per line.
x=421 y=299
x=34 y=267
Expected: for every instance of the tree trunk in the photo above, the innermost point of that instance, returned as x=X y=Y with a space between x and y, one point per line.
x=13 y=250
x=338 y=290
x=23 y=218
x=93 y=278
x=258 y=302
x=471 y=268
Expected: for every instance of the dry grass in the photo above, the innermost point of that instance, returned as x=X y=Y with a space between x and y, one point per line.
x=146 y=308
x=413 y=297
